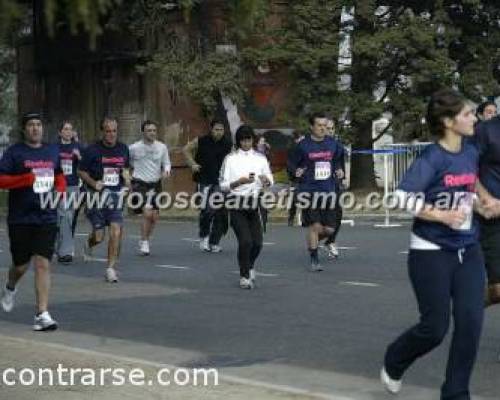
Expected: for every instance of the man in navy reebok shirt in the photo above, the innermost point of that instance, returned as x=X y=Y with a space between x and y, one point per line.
x=316 y=163
x=104 y=169
x=29 y=170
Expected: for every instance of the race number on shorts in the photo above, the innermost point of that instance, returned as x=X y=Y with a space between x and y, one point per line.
x=322 y=170
x=111 y=177
x=67 y=167
x=44 y=180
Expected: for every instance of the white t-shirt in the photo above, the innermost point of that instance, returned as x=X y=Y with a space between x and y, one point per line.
x=149 y=161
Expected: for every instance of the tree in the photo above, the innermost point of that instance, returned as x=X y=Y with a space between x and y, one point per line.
x=400 y=53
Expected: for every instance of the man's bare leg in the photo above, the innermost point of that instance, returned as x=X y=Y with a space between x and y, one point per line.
x=42 y=282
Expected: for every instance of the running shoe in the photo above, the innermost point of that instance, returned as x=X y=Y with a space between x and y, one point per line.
x=8 y=299
x=144 y=247
x=44 y=322
x=215 y=248
x=204 y=245
x=391 y=385
x=333 y=251
x=245 y=283
x=111 y=276
x=65 y=259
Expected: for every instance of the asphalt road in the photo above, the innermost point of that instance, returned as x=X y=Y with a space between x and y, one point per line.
x=323 y=332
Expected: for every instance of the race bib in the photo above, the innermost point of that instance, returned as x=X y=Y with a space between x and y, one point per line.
x=111 y=177
x=322 y=170
x=465 y=203
x=44 y=180
x=67 y=167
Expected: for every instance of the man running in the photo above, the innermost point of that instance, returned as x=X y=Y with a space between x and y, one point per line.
x=205 y=156
x=104 y=170
x=151 y=165
x=69 y=152
x=316 y=163
x=30 y=170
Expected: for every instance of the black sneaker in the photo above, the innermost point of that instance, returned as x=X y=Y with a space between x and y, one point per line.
x=65 y=259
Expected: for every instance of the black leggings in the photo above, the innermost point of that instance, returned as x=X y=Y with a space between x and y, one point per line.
x=247 y=226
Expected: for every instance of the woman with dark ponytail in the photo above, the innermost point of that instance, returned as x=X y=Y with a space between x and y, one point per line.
x=445 y=261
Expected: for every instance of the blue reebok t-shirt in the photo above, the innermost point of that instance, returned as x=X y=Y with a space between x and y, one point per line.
x=440 y=174
x=106 y=164
x=24 y=203
x=320 y=159
x=69 y=162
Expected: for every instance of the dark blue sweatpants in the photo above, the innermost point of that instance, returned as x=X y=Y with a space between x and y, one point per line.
x=445 y=283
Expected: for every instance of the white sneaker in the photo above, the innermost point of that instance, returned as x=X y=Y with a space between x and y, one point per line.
x=215 y=248
x=44 y=322
x=204 y=245
x=333 y=251
x=391 y=385
x=245 y=283
x=8 y=299
x=144 y=247
x=111 y=275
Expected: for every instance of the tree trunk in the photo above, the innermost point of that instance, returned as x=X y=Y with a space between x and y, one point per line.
x=362 y=167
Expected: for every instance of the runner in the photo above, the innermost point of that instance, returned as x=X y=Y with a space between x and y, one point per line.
x=486 y=111
x=244 y=174
x=317 y=164
x=151 y=164
x=487 y=139
x=31 y=169
x=205 y=156
x=292 y=212
x=104 y=170
x=69 y=152
x=445 y=261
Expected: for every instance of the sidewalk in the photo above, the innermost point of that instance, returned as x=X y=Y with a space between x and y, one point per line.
x=25 y=353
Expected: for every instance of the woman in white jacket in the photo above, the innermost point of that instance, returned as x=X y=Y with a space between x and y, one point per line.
x=244 y=174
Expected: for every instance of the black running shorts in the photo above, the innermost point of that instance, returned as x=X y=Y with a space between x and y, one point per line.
x=30 y=240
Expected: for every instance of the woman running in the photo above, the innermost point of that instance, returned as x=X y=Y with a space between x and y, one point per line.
x=445 y=261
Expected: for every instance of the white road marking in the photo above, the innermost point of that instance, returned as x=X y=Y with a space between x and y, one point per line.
x=172 y=266
x=365 y=284
x=97 y=259
x=190 y=240
x=347 y=222
x=81 y=234
x=259 y=274
x=403 y=252
x=268 y=243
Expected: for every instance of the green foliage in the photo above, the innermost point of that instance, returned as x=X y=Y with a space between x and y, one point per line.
x=9 y=11
x=80 y=14
x=188 y=72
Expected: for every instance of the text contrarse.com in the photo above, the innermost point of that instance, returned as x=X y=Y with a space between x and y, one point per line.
x=65 y=376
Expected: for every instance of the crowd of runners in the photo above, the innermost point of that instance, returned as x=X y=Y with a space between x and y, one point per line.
x=454 y=255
